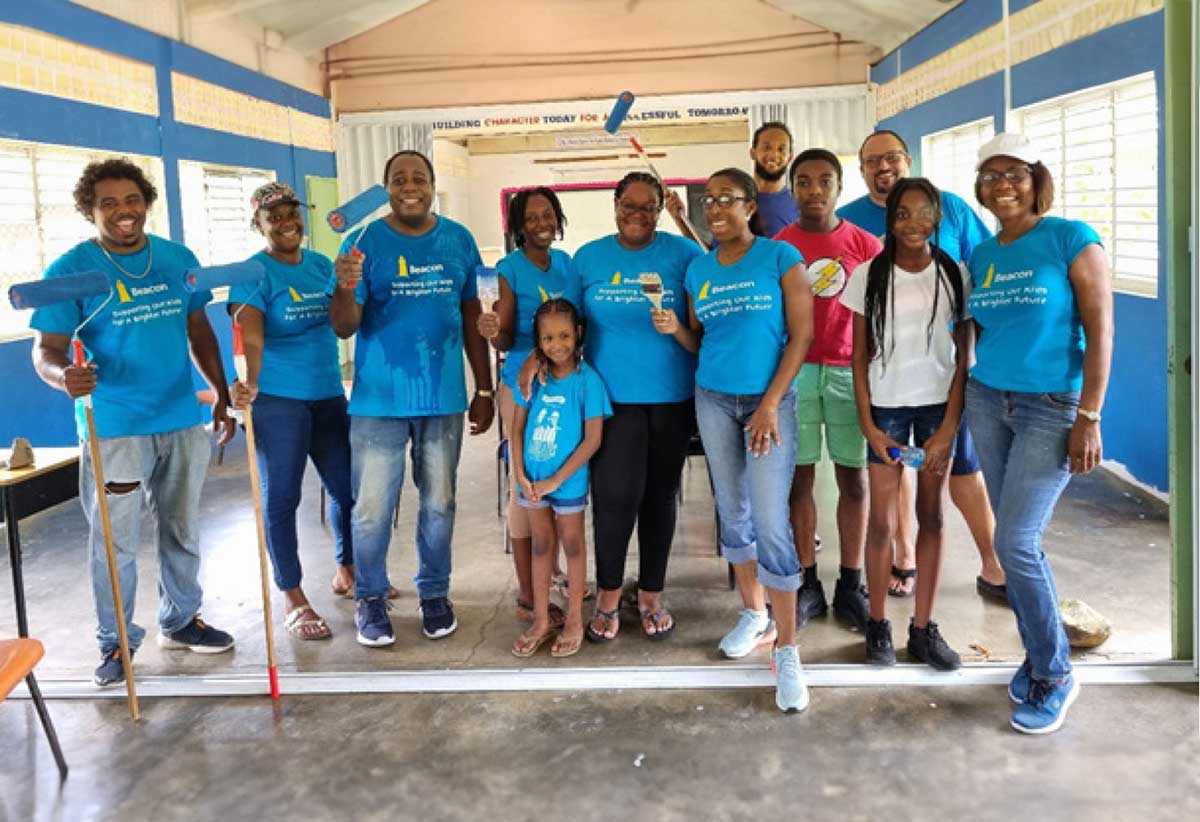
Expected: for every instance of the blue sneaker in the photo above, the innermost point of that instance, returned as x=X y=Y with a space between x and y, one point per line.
x=791 y=694
x=437 y=617
x=1045 y=707
x=374 y=626
x=754 y=628
x=111 y=671
x=1018 y=689
x=197 y=637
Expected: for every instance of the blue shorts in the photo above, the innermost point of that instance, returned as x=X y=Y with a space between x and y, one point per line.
x=574 y=505
x=966 y=461
x=910 y=425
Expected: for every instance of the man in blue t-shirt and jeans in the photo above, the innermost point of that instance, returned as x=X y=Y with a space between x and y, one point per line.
x=405 y=284
x=140 y=338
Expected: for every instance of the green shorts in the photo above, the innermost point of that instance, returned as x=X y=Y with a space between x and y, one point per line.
x=825 y=395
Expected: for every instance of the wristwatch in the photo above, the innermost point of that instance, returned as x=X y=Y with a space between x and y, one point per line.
x=487 y=393
x=1093 y=416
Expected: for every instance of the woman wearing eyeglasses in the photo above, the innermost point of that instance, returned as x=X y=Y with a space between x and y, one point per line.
x=1042 y=301
x=751 y=321
x=650 y=377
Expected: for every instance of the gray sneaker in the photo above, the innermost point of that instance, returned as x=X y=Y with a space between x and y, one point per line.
x=111 y=671
x=754 y=628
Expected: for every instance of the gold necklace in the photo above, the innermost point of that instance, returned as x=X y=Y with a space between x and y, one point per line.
x=121 y=268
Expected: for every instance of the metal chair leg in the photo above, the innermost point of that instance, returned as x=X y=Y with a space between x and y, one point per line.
x=40 y=704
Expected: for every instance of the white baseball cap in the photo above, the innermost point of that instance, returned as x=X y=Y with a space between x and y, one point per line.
x=1008 y=144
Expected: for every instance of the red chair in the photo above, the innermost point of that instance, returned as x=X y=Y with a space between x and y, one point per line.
x=17 y=660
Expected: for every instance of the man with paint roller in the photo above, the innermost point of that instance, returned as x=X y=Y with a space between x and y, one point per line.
x=153 y=446
x=405 y=285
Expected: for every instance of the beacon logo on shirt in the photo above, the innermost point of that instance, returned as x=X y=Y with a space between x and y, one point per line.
x=126 y=294
x=401 y=267
x=704 y=290
x=827 y=277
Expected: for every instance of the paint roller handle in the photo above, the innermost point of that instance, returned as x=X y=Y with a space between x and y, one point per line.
x=348 y=268
x=79 y=378
x=242 y=393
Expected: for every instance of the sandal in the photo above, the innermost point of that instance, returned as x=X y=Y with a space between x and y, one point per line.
x=564 y=647
x=526 y=645
x=610 y=620
x=297 y=626
x=992 y=591
x=524 y=612
x=899 y=585
x=655 y=618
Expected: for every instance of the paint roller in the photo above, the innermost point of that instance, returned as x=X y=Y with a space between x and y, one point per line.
x=67 y=289
x=615 y=119
x=58 y=290
x=206 y=278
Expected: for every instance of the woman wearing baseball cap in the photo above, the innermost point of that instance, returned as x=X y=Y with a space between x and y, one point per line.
x=1042 y=304
x=295 y=383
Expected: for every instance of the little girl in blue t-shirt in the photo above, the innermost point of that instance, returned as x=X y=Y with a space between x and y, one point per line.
x=555 y=432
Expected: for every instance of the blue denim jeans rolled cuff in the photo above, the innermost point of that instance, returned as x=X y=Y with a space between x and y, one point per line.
x=377 y=464
x=752 y=492
x=1021 y=439
x=287 y=433
x=913 y=424
x=571 y=505
x=168 y=470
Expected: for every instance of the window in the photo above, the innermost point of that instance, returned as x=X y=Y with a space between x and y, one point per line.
x=949 y=157
x=1101 y=145
x=216 y=211
x=38 y=220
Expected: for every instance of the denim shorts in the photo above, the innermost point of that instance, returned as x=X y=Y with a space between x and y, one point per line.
x=966 y=461
x=909 y=424
x=574 y=505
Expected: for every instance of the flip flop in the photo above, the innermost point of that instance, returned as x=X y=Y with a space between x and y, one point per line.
x=609 y=617
x=655 y=617
x=990 y=590
x=296 y=625
x=522 y=647
x=563 y=648
x=903 y=575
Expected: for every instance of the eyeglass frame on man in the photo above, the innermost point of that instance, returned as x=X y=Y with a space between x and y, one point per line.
x=893 y=157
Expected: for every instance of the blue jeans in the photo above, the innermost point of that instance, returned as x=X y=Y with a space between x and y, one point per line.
x=752 y=493
x=1022 y=443
x=377 y=447
x=287 y=432
x=168 y=470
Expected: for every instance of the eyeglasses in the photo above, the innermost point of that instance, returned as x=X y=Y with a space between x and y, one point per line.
x=892 y=157
x=1016 y=174
x=921 y=215
x=722 y=200
x=629 y=209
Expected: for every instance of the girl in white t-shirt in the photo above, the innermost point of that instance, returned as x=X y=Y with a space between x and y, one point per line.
x=909 y=378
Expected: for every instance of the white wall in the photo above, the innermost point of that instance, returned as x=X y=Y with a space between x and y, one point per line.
x=491 y=173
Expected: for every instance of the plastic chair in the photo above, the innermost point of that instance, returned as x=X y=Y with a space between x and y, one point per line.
x=17 y=660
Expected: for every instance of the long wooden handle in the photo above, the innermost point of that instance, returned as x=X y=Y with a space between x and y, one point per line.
x=683 y=214
x=110 y=554
x=263 y=570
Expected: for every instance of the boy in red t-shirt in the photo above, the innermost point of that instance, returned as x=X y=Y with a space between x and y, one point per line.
x=832 y=249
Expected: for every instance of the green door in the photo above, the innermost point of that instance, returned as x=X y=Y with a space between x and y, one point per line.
x=322 y=198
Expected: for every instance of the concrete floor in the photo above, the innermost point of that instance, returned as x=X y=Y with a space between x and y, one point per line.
x=858 y=753
x=1109 y=545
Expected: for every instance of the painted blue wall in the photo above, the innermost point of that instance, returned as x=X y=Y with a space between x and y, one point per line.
x=1135 y=411
x=29 y=407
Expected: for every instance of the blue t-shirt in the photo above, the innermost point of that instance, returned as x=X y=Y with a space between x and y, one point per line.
x=532 y=287
x=741 y=308
x=138 y=340
x=300 y=356
x=408 y=358
x=637 y=364
x=776 y=211
x=555 y=427
x=1031 y=335
x=958 y=233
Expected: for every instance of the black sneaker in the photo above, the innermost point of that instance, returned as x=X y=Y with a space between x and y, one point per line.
x=927 y=645
x=810 y=602
x=850 y=605
x=110 y=670
x=879 y=643
x=437 y=617
x=196 y=636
